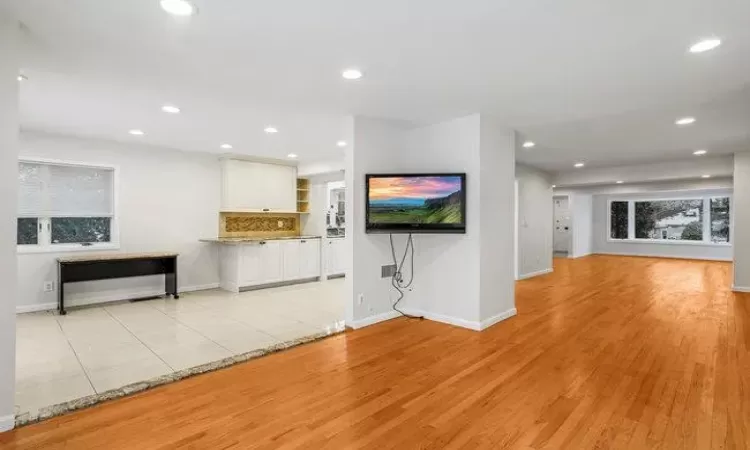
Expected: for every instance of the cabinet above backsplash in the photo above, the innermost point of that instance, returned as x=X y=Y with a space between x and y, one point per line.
x=249 y=186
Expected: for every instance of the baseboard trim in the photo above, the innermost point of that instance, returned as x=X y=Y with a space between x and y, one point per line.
x=257 y=287
x=486 y=323
x=740 y=288
x=534 y=274
x=372 y=320
x=7 y=423
x=645 y=255
x=20 y=309
x=450 y=320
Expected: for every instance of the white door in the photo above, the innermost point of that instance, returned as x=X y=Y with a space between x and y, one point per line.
x=250 y=265
x=290 y=251
x=330 y=256
x=271 y=262
x=309 y=262
x=562 y=224
x=334 y=258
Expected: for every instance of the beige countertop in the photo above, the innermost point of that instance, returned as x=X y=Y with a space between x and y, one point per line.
x=115 y=256
x=240 y=240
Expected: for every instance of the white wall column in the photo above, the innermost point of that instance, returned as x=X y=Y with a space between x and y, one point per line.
x=741 y=213
x=462 y=279
x=9 y=69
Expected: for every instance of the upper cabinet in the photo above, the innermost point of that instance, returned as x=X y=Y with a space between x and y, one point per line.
x=252 y=186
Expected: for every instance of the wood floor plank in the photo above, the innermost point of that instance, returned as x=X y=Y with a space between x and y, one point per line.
x=606 y=352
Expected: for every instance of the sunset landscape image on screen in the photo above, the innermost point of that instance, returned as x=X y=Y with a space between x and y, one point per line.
x=415 y=200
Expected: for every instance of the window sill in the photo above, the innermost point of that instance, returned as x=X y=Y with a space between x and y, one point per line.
x=669 y=242
x=66 y=248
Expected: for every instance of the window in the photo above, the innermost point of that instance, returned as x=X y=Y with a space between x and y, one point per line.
x=65 y=206
x=704 y=220
x=618 y=220
x=669 y=219
x=720 y=219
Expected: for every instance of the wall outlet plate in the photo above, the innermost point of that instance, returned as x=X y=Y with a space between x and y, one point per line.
x=388 y=271
x=360 y=299
x=49 y=286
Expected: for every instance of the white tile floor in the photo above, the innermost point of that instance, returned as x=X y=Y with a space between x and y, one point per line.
x=92 y=350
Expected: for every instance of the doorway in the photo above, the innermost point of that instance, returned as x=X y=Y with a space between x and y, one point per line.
x=563 y=226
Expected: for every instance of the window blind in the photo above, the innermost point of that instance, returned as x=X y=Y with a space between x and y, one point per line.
x=58 y=190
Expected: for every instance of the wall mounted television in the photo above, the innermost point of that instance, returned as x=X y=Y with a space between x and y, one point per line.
x=415 y=203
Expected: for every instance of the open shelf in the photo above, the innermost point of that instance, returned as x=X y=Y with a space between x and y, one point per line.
x=303 y=195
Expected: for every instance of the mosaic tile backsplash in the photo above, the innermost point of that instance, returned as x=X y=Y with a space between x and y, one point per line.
x=258 y=224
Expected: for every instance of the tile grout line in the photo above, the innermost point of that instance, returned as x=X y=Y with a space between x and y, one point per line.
x=233 y=320
x=139 y=340
x=191 y=328
x=83 y=368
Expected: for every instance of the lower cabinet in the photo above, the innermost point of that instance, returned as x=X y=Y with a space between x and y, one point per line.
x=335 y=257
x=268 y=262
x=309 y=258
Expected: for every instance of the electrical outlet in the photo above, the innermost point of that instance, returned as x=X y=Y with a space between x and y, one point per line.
x=360 y=299
x=280 y=224
x=49 y=286
x=387 y=271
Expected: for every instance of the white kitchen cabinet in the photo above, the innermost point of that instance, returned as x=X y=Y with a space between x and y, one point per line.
x=335 y=257
x=309 y=258
x=250 y=265
x=272 y=262
x=268 y=262
x=254 y=186
x=291 y=253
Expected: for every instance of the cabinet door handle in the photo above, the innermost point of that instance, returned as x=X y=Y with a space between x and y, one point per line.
x=266 y=209
x=302 y=242
x=262 y=242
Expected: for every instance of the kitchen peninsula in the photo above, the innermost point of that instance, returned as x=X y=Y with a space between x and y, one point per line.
x=252 y=262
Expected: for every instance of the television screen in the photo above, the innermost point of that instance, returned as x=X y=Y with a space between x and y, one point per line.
x=416 y=203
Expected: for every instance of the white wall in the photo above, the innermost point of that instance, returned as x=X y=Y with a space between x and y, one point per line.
x=742 y=221
x=9 y=43
x=581 y=213
x=535 y=221
x=667 y=250
x=314 y=223
x=717 y=166
x=166 y=201
x=460 y=279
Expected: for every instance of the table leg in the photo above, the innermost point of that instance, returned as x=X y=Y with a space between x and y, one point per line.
x=170 y=282
x=60 y=292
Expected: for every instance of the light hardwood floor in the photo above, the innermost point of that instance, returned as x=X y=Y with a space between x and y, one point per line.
x=606 y=352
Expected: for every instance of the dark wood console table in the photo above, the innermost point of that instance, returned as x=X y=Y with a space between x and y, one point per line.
x=120 y=265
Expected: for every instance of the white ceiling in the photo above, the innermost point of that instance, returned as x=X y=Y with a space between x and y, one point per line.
x=600 y=81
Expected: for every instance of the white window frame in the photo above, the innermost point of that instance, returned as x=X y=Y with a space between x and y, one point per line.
x=45 y=245
x=706 y=221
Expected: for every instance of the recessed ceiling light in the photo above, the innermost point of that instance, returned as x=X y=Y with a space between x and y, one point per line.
x=352 y=74
x=171 y=109
x=178 y=7
x=620 y=182
x=705 y=176
x=271 y=130
x=685 y=121
x=554 y=186
x=21 y=77
x=528 y=144
x=700 y=152
x=226 y=146
x=580 y=164
x=705 y=45
x=341 y=143
x=136 y=132
x=291 y=155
